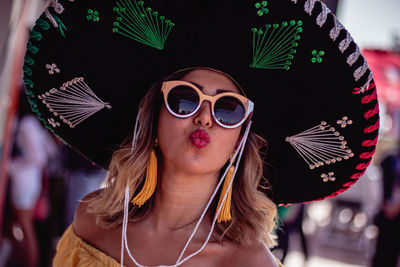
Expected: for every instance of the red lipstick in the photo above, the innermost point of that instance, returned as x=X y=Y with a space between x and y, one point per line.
x=199 y=138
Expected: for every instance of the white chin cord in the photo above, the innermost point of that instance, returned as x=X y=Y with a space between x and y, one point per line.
x=136 y=132
x=124 y=241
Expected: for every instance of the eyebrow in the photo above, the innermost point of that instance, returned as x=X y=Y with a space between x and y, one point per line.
x=219 y=91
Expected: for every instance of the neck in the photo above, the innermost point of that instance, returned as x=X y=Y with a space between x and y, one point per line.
x=181 y=198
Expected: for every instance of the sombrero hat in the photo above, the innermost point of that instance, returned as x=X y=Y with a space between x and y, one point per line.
x=89 y=63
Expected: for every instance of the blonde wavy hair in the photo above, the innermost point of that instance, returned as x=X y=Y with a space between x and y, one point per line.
x=253 y=214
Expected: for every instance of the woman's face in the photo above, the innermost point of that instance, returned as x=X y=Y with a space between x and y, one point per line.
x=197 y=144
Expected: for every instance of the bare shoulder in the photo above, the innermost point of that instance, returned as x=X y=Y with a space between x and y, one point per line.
x=254 y=255
x=84 y=221
x=106 y=240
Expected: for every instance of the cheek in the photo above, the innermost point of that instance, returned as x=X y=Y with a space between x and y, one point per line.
x=170 y=132
x=166 y=127
x=226 y=143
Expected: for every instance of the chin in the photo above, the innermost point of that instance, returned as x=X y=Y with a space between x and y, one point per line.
x=197 y=167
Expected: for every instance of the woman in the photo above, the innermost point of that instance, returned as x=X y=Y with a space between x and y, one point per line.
x=192 y=153
x=187 y=186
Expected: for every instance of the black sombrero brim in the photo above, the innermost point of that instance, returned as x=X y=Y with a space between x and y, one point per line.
x=293 y=59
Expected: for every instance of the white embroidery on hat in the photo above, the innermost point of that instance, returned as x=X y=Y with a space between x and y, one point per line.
x=328 y=177
x=344 y=44
x=335 y=31
x=294 y=1
x=321 y=19
x=344 y=122
x=320 y=145
x=354 y=56
x=73 y=103
x=53 y=123
x=358 y=73
x=58 y=8
x=52 y=68
x=309 y=6
x=366 y=85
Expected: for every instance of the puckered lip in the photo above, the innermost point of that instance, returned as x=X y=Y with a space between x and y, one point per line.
x=199 y=138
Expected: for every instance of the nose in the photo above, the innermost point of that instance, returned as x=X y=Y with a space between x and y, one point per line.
x=203 y=116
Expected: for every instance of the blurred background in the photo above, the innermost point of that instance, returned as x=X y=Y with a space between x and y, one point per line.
x=42 y=180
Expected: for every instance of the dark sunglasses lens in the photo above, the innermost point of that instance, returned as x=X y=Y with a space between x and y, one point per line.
x=183 y=99
x=229 y=110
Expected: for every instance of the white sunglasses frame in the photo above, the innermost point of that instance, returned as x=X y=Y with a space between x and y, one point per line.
x=167 y=86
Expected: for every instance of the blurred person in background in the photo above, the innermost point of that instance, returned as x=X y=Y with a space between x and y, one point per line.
x=83 y=177
x=388 y=219
x=291 y=218
x=34 y=147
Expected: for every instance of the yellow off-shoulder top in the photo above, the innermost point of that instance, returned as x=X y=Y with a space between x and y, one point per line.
x=73 y=251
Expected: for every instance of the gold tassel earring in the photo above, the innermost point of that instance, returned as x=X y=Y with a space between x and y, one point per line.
x=150 y=181
x=225 y=213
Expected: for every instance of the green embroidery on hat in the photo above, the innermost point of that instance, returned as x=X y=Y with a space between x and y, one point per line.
x=49 y=128
x=262 y=8
x=36 y=111
x=43 y=24
x=274 y=47
x=27 y=70
x=141 y=24
x=29 y=93
x=93 y=15
x=33 y=104
x=31 y=48
x=34 y=108
x=317 y=56
x=28 y=60
x=39 y=115
x=56 y=21
x=36 y=35
x=28 y=82
x=61 y=25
